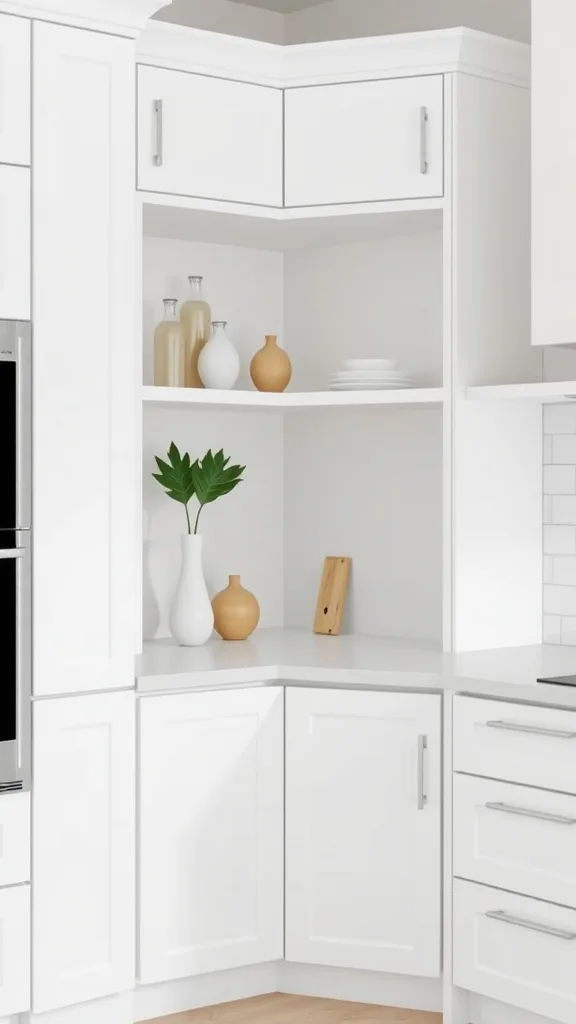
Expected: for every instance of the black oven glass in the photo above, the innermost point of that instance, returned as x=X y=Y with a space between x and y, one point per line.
x=8 y=640
x=8 y=435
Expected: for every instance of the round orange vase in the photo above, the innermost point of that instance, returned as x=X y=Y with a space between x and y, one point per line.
x=236 y=611
x=271 y=368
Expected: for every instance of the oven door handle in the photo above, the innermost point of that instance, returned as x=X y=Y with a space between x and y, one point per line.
x=24 y=653
x=12 y=552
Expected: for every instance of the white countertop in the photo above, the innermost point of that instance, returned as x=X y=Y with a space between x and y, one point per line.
x=300 y=657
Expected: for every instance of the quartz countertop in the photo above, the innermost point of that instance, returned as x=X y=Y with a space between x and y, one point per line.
x=275 y=656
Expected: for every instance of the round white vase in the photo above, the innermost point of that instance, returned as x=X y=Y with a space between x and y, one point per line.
x=191 y=617
x=219 y=362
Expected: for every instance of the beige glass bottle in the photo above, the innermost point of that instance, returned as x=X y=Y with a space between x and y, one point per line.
x=195 y=317
x=170 y=349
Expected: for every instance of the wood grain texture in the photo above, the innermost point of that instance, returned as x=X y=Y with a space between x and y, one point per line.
x=332 y=595
x=283 y=1009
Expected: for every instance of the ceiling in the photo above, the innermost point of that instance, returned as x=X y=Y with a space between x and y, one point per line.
x=282 y=6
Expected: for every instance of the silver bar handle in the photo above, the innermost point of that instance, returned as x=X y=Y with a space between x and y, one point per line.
x=526 y=812
x=158 y=154
x=24 y=427
x=6 y=553
x=422 y=795
x=535 y=730
x=533 y=926
x=24 y=653
x=423 y=140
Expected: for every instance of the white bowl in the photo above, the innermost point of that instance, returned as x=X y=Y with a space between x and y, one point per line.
x=369 y=364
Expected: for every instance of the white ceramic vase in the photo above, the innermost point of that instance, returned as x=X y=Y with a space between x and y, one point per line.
x=219 y=362
x=191 y=618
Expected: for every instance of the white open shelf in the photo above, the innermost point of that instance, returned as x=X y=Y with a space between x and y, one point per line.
x=198 y=398
x=548 y=392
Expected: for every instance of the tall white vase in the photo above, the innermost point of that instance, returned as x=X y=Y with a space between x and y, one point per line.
x=191 y=618
x=219 y=362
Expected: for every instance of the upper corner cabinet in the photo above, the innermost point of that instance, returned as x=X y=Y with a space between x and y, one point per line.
x=364 y=142
x=209 y=138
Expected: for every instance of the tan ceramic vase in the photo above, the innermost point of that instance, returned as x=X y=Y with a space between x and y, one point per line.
x=271 y=368
x=236 y=611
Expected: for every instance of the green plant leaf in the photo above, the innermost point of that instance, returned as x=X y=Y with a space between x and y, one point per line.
x=212 y=477
x=176 y=475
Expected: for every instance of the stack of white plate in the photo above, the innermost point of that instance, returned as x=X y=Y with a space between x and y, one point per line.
x=369 y=375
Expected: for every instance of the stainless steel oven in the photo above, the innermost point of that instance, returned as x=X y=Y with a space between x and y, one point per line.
x=15 y=554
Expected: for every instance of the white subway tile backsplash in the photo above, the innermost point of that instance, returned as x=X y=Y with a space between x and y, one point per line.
x=563 y=510
x=564 y=449
x=551 y=633
x=547 y=449
x=562 y=571
x=560 y=540
x=560 y=419
x=559 y=479
x=547 y=510
x=548 y=570
x=559 y=600
x=567 y=631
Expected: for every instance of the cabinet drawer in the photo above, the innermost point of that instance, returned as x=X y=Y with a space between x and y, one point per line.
x=364 y=141
x=14 y=950
x=14 y=838
x=515 y=742
x=516 y=950
x=515 y=838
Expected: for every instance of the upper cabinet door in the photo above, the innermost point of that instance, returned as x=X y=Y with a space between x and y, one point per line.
x=209 y=137
x=85 y=368
x=14 y=243
x=364 y=142
x=211 y=832
x=553 y=173
x=14 y=90
x=363 y=830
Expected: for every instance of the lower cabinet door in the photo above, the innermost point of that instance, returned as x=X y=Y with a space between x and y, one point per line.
x=83 y=854
x=515 y=949
x=211 y=831
x=363 y=830
x=14 y=950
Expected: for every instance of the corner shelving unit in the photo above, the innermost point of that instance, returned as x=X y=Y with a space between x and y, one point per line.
x=193 y=398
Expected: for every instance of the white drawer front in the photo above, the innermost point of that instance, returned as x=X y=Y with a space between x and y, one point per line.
x=14 y=950
x=14 y=838
x=516 y=950
x=515 y=742
x=515 y=838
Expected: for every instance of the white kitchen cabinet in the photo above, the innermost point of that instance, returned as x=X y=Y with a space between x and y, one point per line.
x=85 y=400
x=364 y=141
x=14 y=90
x=211 y=832
x=363 y=830
x=515 y=950
x=14 y=838
x=14 y=950
x=553 y=173
x=14 y=243
x=209 y=137
x=83 y=849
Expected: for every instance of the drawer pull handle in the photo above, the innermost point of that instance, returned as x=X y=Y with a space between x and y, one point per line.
x=158 y=154
x=535 y=730
x=526 y=812
x=423 y=140
x=422 y=747
x=533 y=926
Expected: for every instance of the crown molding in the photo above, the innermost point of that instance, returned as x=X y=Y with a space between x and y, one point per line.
x=395 y=56
x=122 y=17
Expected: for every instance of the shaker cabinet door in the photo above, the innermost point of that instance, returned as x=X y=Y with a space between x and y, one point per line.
x=14 y=950
x=14 y=90
x=211 y=832
x=14 y=243
x=363 y=142
x=363 y=830
x=210 y=138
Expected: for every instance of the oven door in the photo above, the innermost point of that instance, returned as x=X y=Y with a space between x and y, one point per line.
x=15 y=666
x=15 y=424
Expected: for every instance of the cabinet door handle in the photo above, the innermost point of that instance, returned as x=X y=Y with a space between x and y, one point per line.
x=535 y=730
x=526 y=812
x=422 y=795
x=159 y=123
x=533 y=926
x=423 y=140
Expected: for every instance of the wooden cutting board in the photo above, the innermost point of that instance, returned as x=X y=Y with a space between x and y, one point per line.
x=332 y=595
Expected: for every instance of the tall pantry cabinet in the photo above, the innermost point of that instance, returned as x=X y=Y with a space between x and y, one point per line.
x=85 y=493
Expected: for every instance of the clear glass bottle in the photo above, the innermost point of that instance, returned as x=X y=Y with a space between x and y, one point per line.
x=195 y=317
x=170 y=349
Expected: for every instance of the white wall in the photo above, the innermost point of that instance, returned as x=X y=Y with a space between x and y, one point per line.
x=345 y=19
x=233 y=19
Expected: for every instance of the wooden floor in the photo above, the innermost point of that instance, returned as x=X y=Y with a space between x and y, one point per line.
x=281 y=1009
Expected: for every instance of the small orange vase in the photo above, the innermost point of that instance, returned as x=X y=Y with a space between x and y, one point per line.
x=271 y=368
x=236 y=611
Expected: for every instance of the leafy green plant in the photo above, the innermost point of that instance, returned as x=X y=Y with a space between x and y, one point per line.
x=208 y=479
